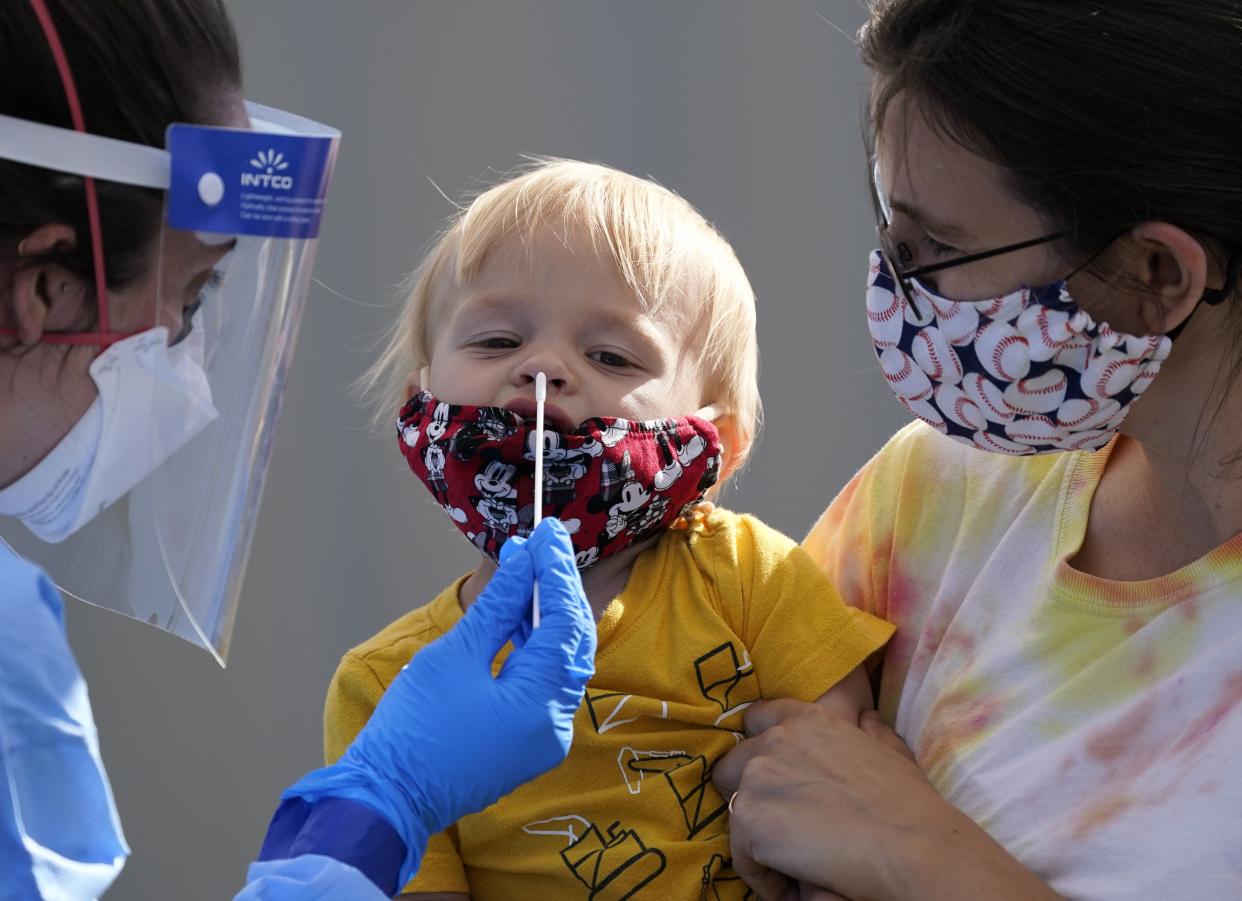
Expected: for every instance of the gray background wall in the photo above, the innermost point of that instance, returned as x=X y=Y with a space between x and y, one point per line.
x=748 y=109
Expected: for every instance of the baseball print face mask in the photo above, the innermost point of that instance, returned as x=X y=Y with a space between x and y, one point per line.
x=612 y=482
x=1026 y=373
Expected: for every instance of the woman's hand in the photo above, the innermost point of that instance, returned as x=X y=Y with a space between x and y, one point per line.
x=844 y=806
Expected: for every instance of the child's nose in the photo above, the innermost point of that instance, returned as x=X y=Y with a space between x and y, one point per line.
x=560 y=379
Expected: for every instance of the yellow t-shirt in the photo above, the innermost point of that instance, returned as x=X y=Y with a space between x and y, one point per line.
x=713 y=618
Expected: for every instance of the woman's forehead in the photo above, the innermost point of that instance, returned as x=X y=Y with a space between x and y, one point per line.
x=936 y=179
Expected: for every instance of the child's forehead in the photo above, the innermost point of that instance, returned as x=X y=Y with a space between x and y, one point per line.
x=551 y=271
x=542 y=253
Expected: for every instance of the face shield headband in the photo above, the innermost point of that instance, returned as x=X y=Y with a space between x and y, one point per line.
x=97 y=157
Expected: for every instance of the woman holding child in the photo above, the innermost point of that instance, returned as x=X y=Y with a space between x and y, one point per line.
x=1067 y=666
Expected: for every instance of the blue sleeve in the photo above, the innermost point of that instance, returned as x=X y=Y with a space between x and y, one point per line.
x=311 y=877
x=60 y=835
x=343 y=829
x=328 y=848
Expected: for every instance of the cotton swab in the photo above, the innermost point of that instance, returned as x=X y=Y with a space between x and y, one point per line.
x=541 y=396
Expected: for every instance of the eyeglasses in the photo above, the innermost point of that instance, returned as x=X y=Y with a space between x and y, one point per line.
x=892 y=256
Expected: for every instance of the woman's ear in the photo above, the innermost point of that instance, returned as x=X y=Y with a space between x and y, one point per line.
x=1173 y=266
x=36 y=287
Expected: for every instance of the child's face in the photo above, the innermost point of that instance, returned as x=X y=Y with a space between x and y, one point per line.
x=563 y=309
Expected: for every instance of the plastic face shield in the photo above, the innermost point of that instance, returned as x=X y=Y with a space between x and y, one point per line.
x=172 y=550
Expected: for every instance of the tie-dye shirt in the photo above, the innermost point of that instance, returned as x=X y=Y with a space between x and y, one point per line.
x=1092 y=727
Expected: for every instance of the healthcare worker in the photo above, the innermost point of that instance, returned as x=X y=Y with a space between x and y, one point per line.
x=156 y=240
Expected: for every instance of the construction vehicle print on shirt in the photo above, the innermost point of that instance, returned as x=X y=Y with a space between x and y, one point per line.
x=613 y=866
x=636 y=765
x=720 y=883
x=689 y=776
x=610 y=709
x=727 y=681
x=723 y=679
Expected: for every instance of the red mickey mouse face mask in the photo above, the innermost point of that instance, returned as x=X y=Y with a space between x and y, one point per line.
x=612 y=482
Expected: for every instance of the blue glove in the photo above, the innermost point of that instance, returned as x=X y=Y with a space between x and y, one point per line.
x=447 y=739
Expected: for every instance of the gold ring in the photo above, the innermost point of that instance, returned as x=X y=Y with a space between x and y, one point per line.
x=732 y=798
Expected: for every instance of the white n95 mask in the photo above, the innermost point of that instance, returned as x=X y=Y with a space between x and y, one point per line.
x=152 y=400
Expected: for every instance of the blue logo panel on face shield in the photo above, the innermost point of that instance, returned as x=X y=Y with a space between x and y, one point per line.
x=243 y=182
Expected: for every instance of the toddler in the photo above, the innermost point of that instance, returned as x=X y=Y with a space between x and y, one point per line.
x=640 y=316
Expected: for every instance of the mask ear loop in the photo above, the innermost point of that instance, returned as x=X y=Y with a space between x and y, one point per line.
x=102 y=336
x=1215 y=296
x=1212 y=296
x=541 y=396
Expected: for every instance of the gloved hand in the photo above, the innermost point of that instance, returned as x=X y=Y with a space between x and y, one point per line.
x=447 y=739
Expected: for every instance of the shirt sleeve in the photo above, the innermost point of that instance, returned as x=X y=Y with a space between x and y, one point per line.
x=843 y=542
x=55 y=800
x=885 y=539
x=801 y=637
x=355 y=690
x=311 y=877
x=853 y=540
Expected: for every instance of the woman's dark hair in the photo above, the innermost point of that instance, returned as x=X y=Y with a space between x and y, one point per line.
x=1107 y=113
x=138 y=65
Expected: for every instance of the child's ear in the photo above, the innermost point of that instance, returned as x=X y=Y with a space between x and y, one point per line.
x=731 y=450
x=415 y=382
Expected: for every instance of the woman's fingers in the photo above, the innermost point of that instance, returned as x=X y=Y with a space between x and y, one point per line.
x=763 y=715
x=760 y=722
x=820 y=800
x=561 y=652
x=871 y=723
x=768 y=884
x=808 y=892
x=491 y=619
x=727 y=773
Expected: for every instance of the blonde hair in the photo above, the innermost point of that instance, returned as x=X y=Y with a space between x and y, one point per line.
x=664 y=249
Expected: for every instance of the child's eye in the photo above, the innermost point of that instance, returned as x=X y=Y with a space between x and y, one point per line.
x=497 y=343
x=938 y=247
x=608 y=358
